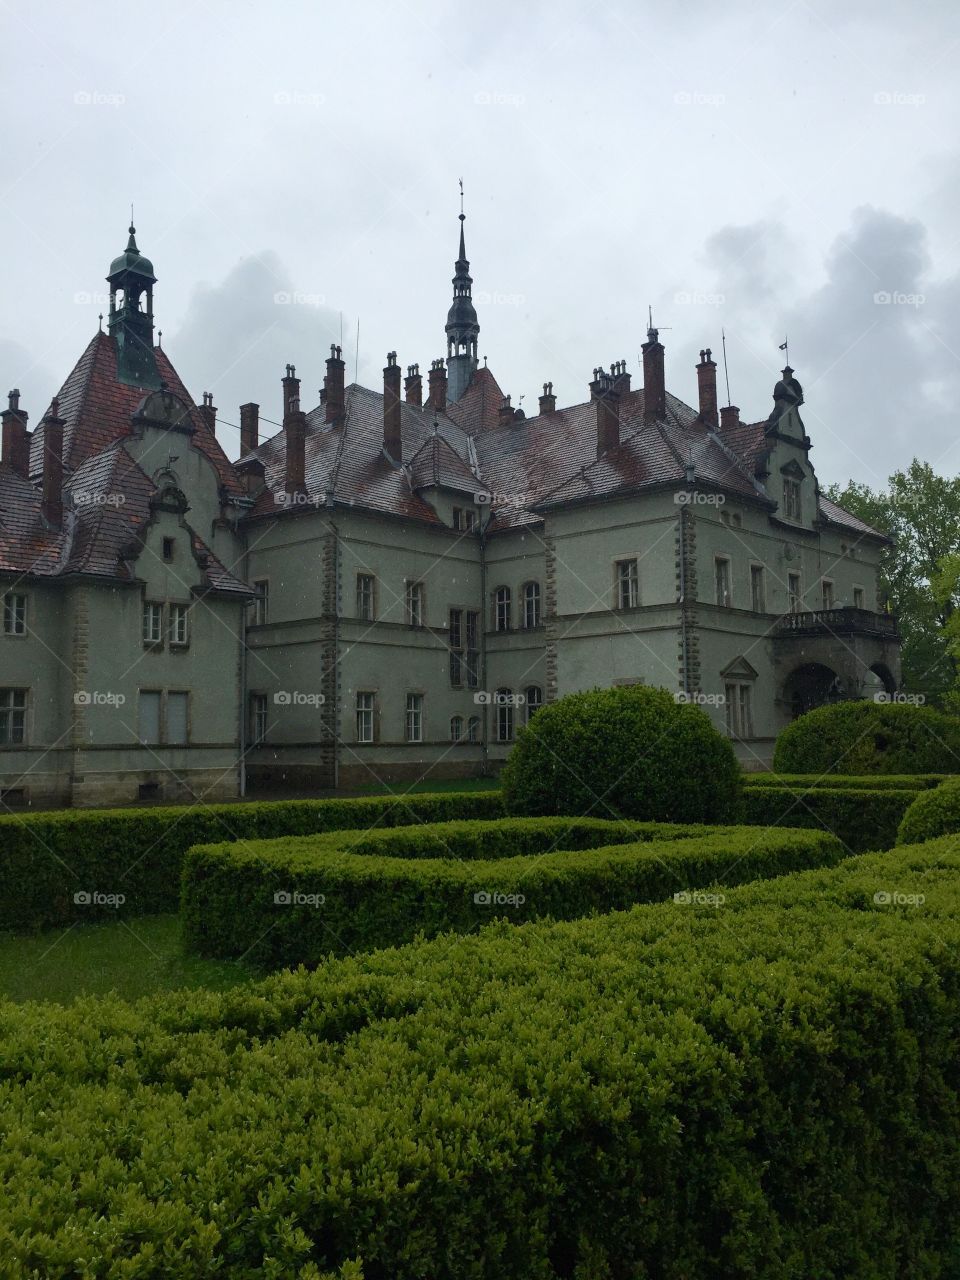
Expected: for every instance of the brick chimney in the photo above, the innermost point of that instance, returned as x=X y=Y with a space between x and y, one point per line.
x=607 y=399
x=333 y=404
x=413 y=386
x=294 y=435
x=392 y=437
x=15 y=437
x=208 y=412
x=249 y=428
x=437 y=398
x=654 y=386
x=729 y=417
x=621 y=378
x=707 y=386
x=291 y=390
x=548 y=401
x=52 y=503
x=505 y=414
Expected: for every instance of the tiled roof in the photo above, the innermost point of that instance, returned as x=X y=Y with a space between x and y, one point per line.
x=478 y=409
x=437 y=463
x=835 y=514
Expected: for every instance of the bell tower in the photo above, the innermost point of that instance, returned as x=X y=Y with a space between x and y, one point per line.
x=131 y=281
x=462 y=327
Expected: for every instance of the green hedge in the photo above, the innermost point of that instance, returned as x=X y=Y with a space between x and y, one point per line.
x=46 y=858
x=861 y=818
x=285 y=902
x=807 y=781
x=767 y=1089
x=869 y=737
x=932 y=814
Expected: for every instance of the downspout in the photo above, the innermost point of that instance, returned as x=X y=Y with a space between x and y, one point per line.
x=243 y=696
x=684 y=661
x=482 y=676
x=335 y=667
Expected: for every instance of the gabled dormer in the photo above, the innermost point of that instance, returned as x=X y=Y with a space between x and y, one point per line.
x=785 y=463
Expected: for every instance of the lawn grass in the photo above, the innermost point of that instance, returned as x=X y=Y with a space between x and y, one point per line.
x=132 y=959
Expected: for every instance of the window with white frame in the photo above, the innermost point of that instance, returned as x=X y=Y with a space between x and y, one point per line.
x=414 y=604
x=501 y=609
x=365 y=709
x=721 y=567
x=531 y=604
x=792 y=509
x=794 y=593
x=758 y=588
x=456 y=728
x=178 y=719
x=14 y=614
x=739 y=711
x=261 y=601
x=534 y=700
x=858 y=598
x=473 y=648
x=365 y=597
x=503 y=700
x=627 y=573
x=473 y=729
x=152 y=622
x=455 y=641
x=13 y=717
x=414 y=717
x=178 y=624
x=149 y=712
x=258 y=719
x=827 y=593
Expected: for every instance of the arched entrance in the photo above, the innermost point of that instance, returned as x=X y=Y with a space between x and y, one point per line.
x=883 y=673
x=809 y=686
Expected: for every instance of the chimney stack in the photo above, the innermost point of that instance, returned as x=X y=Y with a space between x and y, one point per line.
x=294 y=435
x=654 y=385
x=392 y=437
x=208 y=411
x=437 y=399
x=52 y=502
x=15 y=437
x=334 y=402
x=621 y=378
x=548 y=401
x=607 y=397
x=413 y=386
x=506 y=412
x=707 y=385
x=249 y=428
x=729 y=417
x=291 y=390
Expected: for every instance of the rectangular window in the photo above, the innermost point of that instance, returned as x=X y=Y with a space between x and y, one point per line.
x=473 y=649
x=14 y=614
x=628 y=584
x=365 y=601
x=469 y=519
x=168 y=549
x=531 y=604
x=150 y=716
x=364 y=717
x=177 y=719
x=794 y=593
x=13 y=717
x=722 y=576
x=178 y=624
x=258 y=719
x=455 y=637
x=791 y=498
x=501 y=609
x=261 y=601
x=152 y=623
x=458 y=517
x=414 y=604
x=414 y=717
x=739 y=712
x=504 y=711
x=858 y=599
x=758 y=593
x=827 y=593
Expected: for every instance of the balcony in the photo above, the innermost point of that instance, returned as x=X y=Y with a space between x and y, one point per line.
x=838 y=622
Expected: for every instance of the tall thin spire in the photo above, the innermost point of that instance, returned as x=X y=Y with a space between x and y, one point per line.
x=462 y=327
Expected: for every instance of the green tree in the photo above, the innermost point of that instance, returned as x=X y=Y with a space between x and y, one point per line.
x=920 y=510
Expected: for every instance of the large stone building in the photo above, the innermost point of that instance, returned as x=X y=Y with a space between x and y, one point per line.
x=393 y=583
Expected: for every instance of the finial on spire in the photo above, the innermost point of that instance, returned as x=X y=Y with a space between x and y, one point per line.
x=462 y=214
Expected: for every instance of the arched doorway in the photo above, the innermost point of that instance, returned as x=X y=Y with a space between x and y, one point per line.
x=885 y=676
x=809 y=686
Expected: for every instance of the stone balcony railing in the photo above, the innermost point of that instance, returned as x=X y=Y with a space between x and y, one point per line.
x=848 y=621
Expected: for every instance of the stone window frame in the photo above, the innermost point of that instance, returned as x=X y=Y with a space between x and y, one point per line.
x=417 y=710
x=372 y=710
x=364 y=575
x=631 y=581
x=10 y=708
x=15 y=615
x=260 y=605
x=525 y=598
x=758 y=572
x=152 y=637
x=501 y=608
x=724 y=563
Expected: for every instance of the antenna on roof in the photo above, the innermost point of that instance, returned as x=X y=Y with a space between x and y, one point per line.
x=726 y=374
x=356 y=354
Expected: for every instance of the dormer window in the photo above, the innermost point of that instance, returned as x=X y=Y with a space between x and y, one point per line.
x=792 y=509
x=168 y=549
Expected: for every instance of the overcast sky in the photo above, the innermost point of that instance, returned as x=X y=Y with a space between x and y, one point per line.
x=770 y=168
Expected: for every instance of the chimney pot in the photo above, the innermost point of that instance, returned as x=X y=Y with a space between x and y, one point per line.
x=607 y=399
x=14 y=437
x=295 y=433
x=654 y=384
x=729 y=417
x=291 y=389
x=505 y=414
x=392 y=432
x=334 y=399
x=249 y=428
x=437 y=378
x=413 y=386
x=52 y=501
x=707 y=388
x=548 y=401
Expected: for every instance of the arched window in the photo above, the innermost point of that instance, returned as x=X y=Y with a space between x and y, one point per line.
x=473 y=729
x=501 y=609
x=456 y=728
x=503 y=701
x=531 y=604
x=534 y=696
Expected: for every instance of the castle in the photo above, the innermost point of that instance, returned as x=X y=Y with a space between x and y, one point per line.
x=393 y=584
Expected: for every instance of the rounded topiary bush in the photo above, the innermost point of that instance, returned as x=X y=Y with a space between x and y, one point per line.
x=933 y=813
x=633 y=752
x=855 y=738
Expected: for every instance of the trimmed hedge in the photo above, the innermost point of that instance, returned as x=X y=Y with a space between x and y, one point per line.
x=296 y=901
x=869 y=738
x=932 y=814
x=808 y=781
x=861 y=818
x=633 y=752
x=768 y=1089
x=46 y=858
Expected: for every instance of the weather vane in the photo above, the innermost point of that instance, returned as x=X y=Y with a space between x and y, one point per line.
x=461 y=198
x=784 y=346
